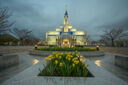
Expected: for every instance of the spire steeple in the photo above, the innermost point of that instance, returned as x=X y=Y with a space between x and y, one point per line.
x=66 y=16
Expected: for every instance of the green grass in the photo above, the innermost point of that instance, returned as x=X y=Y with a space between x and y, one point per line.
x=65 y=49
x=52 y=70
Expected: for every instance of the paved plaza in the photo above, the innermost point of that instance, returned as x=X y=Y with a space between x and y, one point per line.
x=28 y=61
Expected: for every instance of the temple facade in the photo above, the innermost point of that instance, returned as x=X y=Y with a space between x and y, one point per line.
x=65 y=35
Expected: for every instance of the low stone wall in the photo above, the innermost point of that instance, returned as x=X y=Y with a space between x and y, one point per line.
x=92 y=53
x=8 y=60
x=83 y=53
x=118 y=50
x=122 y=61
x=40 y=53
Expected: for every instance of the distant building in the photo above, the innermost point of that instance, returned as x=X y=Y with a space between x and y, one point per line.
x=65 y=35
x=7 y=39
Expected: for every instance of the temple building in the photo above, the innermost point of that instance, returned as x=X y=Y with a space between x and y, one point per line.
x=65 y=35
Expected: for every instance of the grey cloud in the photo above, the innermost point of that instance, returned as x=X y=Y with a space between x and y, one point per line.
x=90 y=15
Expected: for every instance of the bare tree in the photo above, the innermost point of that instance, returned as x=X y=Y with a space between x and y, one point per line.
x=25 y=36
x=32 y=39
x=113 y=34
x=22 y=34
x=4 y=22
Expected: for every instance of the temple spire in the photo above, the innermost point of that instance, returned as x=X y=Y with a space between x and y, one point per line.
x=66 y=16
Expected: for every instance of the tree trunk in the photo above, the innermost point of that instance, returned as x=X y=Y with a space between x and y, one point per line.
x=113 y=44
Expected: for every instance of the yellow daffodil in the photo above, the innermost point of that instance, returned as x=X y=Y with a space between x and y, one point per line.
x=62 y=53
x=50 y=56
x=61 y=64
x=73 y=65
x=56 y=61
x=68 y=55
x=46 y=59
x=77 y=55
x=57 y=55
x=60 y=57
x=69 y=58
x=76 y=62
x=74 y=59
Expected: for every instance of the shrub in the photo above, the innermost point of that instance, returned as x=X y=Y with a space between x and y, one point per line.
x=65 y=64
x=65 y=49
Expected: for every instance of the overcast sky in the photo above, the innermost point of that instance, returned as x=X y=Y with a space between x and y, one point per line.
x=91 y=16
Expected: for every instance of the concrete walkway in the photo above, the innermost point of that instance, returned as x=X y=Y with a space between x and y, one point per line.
x=107 y=62
x=26 y=61
x=29 y=77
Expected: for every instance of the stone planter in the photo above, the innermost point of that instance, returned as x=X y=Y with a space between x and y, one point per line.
x=121 y=60
x=8 y=60
x=29 y=77
x=83 y=53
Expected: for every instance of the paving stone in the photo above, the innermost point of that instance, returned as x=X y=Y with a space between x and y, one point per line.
x=29 y=77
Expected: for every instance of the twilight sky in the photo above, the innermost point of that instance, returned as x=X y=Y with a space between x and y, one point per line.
x=93 y=16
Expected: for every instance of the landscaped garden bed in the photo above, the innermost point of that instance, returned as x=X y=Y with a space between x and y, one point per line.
x=68 y=64
x=65 y=49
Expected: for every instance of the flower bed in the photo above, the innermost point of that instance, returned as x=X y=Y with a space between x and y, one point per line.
x=65 y=64
x=65 y=49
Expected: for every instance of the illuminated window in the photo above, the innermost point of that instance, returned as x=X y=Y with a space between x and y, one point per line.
x=65 y=29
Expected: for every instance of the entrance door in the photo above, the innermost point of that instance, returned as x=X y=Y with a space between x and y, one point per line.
x=66 y=43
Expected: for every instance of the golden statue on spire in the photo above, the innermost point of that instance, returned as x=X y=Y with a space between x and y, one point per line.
x=66 y=6
x=66 y=16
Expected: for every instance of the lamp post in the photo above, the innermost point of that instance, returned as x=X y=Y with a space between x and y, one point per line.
x=35 y=47
x=97 y=48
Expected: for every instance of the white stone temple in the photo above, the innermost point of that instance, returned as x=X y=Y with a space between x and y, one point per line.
x=66 y=36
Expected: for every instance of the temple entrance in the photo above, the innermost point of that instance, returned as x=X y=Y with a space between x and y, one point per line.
x=65 y=43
